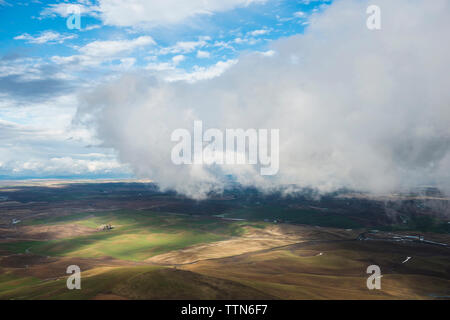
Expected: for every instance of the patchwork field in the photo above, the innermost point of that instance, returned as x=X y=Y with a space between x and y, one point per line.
x=330 y=270
x=134 y=236
x=143 y=253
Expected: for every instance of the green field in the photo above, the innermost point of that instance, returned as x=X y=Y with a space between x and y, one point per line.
x=320 y=263
x=137 y=235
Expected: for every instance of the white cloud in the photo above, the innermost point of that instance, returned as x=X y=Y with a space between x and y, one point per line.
x=62 y=166
x=306 y=2
x=203 y=54
x=156 y=12
x=259 y=32
x=114 y=47
x=299 y=14
x=147 y=12
x=38 y=140
x=355 y=108
x=177 y=59
x=127 y=63
x=268 y=53
x=185 y=46
x=202 y=73
x=169 y=71
x=67 y=9
x=92 y=27
x=160 y=66
x=98 y=52
x=45 y=37
x=223 y=45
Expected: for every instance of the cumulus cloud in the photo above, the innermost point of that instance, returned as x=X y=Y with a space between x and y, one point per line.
x=367 y=110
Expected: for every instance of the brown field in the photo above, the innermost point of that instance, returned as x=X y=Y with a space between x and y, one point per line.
x=253 y=240
x=299 y=271
x=45 y=232
x=278 y=262
x=156 y=253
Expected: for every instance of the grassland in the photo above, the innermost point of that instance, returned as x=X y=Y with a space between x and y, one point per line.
x=138 y=282
x=111 y=258
x=164 y=247
x=136 y=235
x=337 y=270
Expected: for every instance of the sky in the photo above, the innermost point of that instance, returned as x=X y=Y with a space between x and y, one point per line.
x=44 y=66
x=356 y=108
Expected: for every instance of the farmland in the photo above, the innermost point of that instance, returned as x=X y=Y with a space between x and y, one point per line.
x=235 y=246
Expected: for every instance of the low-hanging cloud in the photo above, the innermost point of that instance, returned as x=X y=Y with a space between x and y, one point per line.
x=367 y=110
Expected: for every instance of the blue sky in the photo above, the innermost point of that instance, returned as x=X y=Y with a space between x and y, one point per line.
x=44 y=66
